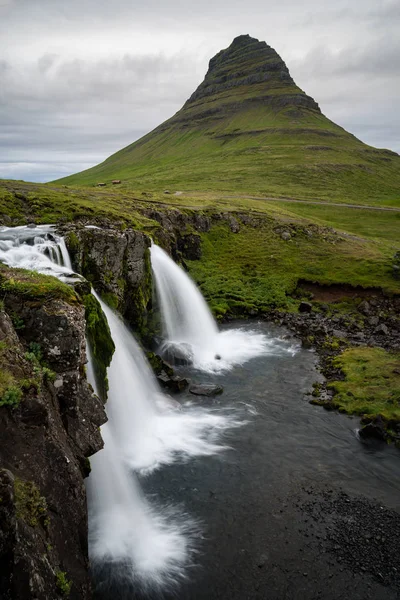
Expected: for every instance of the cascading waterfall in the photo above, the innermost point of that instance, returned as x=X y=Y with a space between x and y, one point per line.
x=151 y=430
x=188 y=324
x=128 y=538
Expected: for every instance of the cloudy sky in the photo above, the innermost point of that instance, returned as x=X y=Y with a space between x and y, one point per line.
x=80 y=79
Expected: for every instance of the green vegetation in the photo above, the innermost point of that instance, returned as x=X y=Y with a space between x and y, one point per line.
x=59 y=204
x=40 y=370
x=372 y=383
x=255 y=270
x=63 y=583
x=10 y=391
x=12 y=395
x=31 y=507
x=100 y=340
x=32 y=286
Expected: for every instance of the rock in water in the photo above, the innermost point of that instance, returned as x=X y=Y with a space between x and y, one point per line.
x=205 y=389
x=177 y=354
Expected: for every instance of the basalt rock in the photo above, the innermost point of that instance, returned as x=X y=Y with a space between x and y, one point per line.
x=49 y=426
x=177 y=354
x=117 y=263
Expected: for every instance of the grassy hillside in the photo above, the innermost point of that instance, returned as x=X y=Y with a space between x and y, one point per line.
x=249 y=129
x=252 y=269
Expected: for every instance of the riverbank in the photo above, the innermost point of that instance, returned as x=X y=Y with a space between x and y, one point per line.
x=358 y=344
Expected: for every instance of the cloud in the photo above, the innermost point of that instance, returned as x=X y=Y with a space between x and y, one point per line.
x=80 y=80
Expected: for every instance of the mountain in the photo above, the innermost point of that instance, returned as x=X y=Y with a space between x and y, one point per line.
x=248 y=128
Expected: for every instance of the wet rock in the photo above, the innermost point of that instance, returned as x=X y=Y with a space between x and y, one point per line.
x=205 y=389
x=375 y=429
x=173 y=383
x=177 y=354
x=305 y=307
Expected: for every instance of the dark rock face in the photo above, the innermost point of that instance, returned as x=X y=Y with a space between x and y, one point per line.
x=117 y=263
x=46 y=438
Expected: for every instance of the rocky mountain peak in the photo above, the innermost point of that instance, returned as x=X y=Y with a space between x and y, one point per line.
x=248 y=71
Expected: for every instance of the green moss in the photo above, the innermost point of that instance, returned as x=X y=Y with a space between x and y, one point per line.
x=63 y=584
x=31 y=285
x=100 y=340
x=158 y=365
x=31 y=507
x=11 y=396
x=371 y=385
x=110 y=299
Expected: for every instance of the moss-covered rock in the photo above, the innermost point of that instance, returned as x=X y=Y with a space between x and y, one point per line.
x=100 y=340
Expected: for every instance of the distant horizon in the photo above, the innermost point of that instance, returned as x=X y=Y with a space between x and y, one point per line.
x=77 y=93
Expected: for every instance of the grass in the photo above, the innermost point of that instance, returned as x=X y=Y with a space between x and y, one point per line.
x=31 y=507
x=31 y=285
x=372 y=383
x=255 y=269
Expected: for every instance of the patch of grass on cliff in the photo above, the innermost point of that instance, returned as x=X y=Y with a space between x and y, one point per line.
x=256 y=269
x=31 y=506
x=32 y=285
x=10 y=392
x=372 y=383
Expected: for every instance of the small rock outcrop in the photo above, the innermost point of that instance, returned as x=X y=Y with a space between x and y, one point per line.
x=205 y=389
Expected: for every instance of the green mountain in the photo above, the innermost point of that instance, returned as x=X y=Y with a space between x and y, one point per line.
x=247 y=129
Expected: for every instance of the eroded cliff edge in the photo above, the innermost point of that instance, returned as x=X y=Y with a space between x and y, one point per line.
x=49 y=424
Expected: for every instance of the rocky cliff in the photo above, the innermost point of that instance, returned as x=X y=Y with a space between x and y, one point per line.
x=49 y=426
x=117 y=263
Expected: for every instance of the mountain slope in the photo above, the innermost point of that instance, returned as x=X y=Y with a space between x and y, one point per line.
x=249 y=128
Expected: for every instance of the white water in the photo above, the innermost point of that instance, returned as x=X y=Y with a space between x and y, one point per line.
x=151 y=431
x=187 y=319
x=149 y=545
x=37 y=249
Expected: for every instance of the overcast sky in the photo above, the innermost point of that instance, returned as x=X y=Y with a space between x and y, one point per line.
x=80 y=79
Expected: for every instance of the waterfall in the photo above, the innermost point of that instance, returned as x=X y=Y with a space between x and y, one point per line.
x=37 y=249
x=151 y=428
x=128 y=538
x=185 y=314
x=189 y=329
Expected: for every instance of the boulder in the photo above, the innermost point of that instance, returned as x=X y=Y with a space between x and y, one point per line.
x=180 y=354
x=305 y=307
x=173 y=383
x=364 y=308
x=285 y=235
x=381 y=330
x=205 y=389
x=375 y=430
